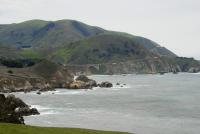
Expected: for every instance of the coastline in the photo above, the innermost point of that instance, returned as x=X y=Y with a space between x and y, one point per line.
x=144 y=104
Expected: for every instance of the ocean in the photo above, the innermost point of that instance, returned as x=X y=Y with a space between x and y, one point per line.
x=141 y=104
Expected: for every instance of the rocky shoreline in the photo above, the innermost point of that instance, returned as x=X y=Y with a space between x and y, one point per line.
x=13 y=109
x=9 y=84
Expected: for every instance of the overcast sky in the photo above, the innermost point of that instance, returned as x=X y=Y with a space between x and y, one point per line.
x=174 y=24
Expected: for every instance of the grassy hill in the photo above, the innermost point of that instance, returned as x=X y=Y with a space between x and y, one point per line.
x=73 y=42
x=39 y=33
x=23 y=129
x=103 y=48
x=46 y=35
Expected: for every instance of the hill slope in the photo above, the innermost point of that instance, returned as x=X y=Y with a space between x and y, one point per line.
x=72 y=42
x=48 y=34
x=103 y=48
x=39 y=33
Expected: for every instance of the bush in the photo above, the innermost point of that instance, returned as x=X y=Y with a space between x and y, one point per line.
x=18 y=63
x=10 y=71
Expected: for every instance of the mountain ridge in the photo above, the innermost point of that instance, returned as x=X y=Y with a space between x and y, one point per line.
x=72 y=42
x=40 y=33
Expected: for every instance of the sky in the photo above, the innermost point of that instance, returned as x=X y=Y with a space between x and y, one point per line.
x=174 y=24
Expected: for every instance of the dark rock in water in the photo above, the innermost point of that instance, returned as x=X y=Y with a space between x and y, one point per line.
x=34 y=111
x=162 y=73
x=106 y=84
x=117 y=83
x=26 y=111
x=91 y=83
x=13 y=109
x=39 y=93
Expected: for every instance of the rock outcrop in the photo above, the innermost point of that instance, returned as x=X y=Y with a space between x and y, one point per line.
x=83 y=82
x=78 y=85
x=106 y=85
x=89 y=82
x=10 y=84
x=44 y=76
x=13 y=109
x=193 y=70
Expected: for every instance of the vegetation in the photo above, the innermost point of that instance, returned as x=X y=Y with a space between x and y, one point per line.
x=23 y=129
x=30 y=53
x=101 y=49
x=48 y=34
x=18 y=63
x=73 y=42
x=38 y=33
x=10 y=71
x=186 y=63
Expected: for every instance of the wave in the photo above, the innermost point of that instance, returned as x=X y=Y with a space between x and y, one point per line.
x=197 y=73
x=51 y=112
x=39 y=107
x=46 y=110
x=67 y=91
x=121 y=86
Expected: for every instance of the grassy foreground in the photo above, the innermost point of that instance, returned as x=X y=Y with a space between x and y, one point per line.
x=24 y=129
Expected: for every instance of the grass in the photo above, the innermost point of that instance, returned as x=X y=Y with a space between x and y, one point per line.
x=24 y=129
x=64 y=53
x=30 y=53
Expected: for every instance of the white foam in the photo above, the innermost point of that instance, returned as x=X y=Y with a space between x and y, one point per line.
x=121 y=86
x=66 y=91
x=39 y=107
x=50 y=112
x=143 y=85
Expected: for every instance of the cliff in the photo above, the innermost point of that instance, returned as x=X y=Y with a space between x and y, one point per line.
x=42 y=76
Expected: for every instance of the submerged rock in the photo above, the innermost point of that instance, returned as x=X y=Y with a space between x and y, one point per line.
x=118 y=84
x=39 y=93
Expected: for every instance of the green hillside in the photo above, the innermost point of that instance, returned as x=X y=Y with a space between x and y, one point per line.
x=23 y=129
x=51 y=34
x=38 y=33
x=154 y=47
x=73 y=42
x=101 y=49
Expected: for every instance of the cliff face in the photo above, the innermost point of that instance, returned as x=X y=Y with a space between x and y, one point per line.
x=43 y=76
x=129 y=67
x=17 y=83
x=139 y=67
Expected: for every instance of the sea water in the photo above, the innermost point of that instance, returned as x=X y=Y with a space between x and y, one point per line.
x=142 y=104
